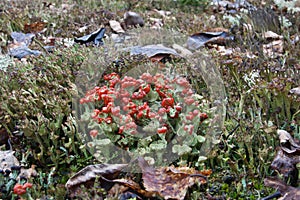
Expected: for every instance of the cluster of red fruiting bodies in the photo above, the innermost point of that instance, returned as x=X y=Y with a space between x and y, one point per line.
x=128 y=100
x=21 y=189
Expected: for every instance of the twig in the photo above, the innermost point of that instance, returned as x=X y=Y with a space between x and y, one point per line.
x=231 y=132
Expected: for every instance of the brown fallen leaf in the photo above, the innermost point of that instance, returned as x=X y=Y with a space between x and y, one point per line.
x=88 y=175
x=287 y=157
x=170 y=182
x=166 y=182
x=287 y=192
x=116 y=190
x=135 y=187
x=286 y=165
x=35 y=27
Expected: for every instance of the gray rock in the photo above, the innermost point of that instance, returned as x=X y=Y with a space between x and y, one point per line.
x=133 y=19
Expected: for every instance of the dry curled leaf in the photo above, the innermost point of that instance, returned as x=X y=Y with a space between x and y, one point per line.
x=286 y=165
x=19 y=48
x=170 y=182
x=134 y=187
x=22 y=51
x=287 y=192
x=287 y=142
x=22 y=38
x=35 y=27
x=95 y=37
x=152 y=50
x=88 y=175
x=287 y=157
x=201 y=39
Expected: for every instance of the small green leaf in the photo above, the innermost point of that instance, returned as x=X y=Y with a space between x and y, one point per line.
x=42 y=130
x=200 y=138
x=158 y=145
x=103 y=142
x=181 y=149
x=202 y=158
x=152 y=96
